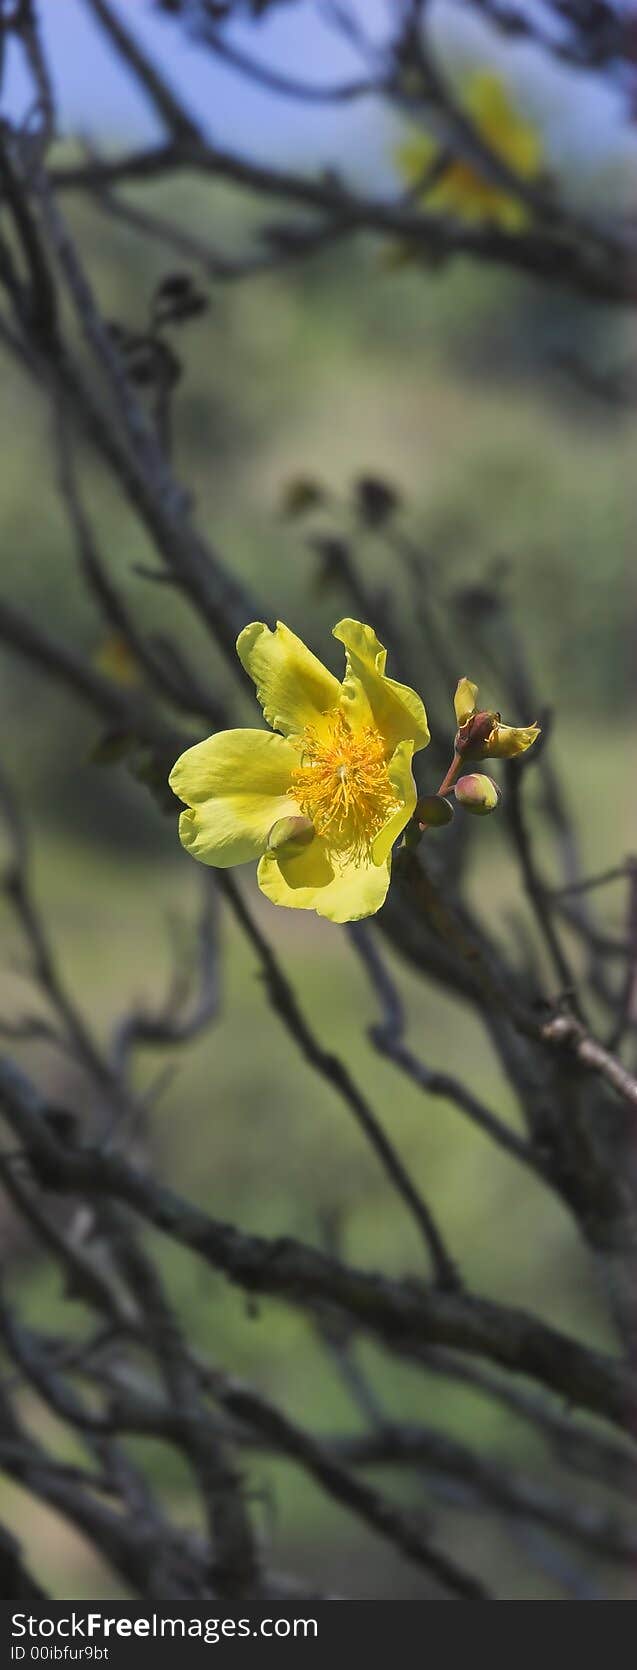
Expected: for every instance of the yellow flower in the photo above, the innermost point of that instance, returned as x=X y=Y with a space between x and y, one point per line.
x=481 y=734
x=320 y=800
x=460 y=188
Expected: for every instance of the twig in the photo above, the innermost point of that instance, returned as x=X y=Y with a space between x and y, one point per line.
x=547 y=255
x=512 y=1493
x=287 y=86
x=404 y=1314
x=123 y=711
x=141 y=1560
x=279 y=247
x=185 y=692
x=146 y=1414
x=284 y=1002
x=566 y=1032
x=387 y=1037
x=626 y=1007
x=177 y=1021
x=165 y=102
x=236 y=1563
x=327 y=1469
x=536 y=892
x=579 y=1446
x=618 y=872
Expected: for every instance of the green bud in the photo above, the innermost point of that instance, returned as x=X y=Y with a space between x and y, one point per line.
x=477 y=793
x=290 y=835
x=434 y=811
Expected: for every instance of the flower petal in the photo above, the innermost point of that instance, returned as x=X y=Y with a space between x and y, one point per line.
x=508 y=740
x=236 y=786
x=293 y=686
x=465 y=700
x=309 y=881
x=506 y=131
x=402 y=781
x=414 y=158
x=369 y=698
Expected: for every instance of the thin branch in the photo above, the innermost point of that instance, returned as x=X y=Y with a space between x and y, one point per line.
x=191 y=1004
x=282 y=246
x=328 y=1471
x=586 y=35
x=566 y=1033
x=595 y=272
x=17 y=888
x=236 y=1563
x=618 y=872
x=83 y=1277
x=627 y=1000
x=26 y=26
x=143 y=1560
x=167 y=105
x=510 y=1492
x=576 y=1445
x=387 y=1037
x=405 y=1315
x=534 y=886
x=146 y=1414
x=185 y=692
x=283 y=999
x=137 y=456
x=124 y=712
x=23 y=1348
x=263 y=75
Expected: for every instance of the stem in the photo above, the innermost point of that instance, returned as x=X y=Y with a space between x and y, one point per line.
x=446 y=783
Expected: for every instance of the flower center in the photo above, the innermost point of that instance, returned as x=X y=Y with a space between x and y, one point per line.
x=343 y=785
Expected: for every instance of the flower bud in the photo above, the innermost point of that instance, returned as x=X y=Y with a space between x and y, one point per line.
x=432 y=811
x=473 y=738
x=477 y=793
x=290 y=835
x=481 y=734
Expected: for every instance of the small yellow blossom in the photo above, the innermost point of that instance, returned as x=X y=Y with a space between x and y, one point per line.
x=460 y=188
x=321 y=799
x=481 y=734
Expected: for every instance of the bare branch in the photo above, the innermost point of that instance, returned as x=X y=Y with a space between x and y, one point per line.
x=387 y=1037
x=167 y=106
x=180 y=1018
x=406 y=1315
x=283 y=1000
x=565 y=1032
x=596 y=272
x=514 y=1494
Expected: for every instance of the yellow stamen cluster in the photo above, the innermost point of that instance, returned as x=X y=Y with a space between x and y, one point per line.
x=343 y=785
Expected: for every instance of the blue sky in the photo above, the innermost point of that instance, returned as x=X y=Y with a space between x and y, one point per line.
x=590 y=143
x=97 y=96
